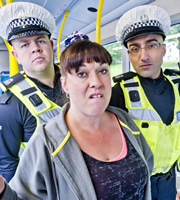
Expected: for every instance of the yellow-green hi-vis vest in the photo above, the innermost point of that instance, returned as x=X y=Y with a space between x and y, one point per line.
x=26 y=90
x=164 y=140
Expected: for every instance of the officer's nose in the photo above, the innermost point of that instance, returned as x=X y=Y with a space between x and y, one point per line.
x=144 y=54
x=36 y=48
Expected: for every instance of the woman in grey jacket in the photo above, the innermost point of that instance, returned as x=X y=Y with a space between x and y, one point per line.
x=89 y=151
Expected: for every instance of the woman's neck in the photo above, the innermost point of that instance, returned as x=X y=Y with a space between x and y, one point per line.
x=86 y=123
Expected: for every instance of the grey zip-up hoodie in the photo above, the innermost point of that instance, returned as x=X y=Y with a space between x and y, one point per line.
x=52 y=166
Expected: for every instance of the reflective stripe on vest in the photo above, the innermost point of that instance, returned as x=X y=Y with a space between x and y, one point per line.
x=163 y=140
x=31 y=96
x=147 y=114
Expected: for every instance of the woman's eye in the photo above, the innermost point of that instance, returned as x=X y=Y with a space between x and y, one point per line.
x=103 y=71
x=81 y=74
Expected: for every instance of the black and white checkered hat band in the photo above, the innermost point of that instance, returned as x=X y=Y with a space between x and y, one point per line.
x=25 y=34
x=23 y=25
x=149 y=23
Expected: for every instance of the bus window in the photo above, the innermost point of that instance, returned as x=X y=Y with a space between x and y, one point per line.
x=172 y=57
x=115 y=49
x=3 y=76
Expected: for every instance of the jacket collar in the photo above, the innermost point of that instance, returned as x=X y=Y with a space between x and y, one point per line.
x=69 y=159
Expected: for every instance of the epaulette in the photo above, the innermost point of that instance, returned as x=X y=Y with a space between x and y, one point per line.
x=171 y=72
x=12 y=80
x=5 y=97
x=125 y=76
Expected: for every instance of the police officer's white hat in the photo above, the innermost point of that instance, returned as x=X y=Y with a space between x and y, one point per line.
x=21 y=19
x=142 y=20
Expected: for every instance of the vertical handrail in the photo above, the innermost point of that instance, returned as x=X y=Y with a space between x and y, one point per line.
x=98 y=22
x=1 y=3
x=9 y=1
x=13 y=65
x=59 y=35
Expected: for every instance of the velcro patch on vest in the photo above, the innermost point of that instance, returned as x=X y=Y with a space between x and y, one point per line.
x=178 y=115
x=135 y=84
x=28 y=91
x=12 y=80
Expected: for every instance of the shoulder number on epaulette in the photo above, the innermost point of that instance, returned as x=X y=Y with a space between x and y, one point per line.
x=125 y=76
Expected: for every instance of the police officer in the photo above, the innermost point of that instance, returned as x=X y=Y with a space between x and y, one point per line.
x=151 y=96
x=35 y=95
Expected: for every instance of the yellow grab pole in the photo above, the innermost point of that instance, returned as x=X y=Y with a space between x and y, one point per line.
x=13 y=65
x=9 y=1
x=59 y=35
x=1 y=3
x=98 y=22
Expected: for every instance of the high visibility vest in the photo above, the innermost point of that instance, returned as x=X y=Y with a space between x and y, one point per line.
x=164 y=140
x=26 y=90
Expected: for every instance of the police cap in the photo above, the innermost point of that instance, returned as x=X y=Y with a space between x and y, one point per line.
x=146 y=19
x=22 y=19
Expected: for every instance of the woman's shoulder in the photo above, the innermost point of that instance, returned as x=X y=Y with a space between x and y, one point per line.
x=118 y=112
x=123 y=117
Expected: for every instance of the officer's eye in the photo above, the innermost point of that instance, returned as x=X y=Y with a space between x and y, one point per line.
x=24 y=45
x=152 y=46
x=134 y=49
x=41 y=41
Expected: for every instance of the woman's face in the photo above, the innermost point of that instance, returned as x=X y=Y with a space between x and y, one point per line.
x=89 y=88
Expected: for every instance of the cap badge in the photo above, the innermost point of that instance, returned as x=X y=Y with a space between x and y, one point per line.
x=144 y=18
x=22 y=14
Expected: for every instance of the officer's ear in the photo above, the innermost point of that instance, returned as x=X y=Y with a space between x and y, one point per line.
x=52 y=44
x=14 y=53
x=164 y=49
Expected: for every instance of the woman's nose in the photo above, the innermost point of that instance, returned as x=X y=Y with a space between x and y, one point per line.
x=95 y=81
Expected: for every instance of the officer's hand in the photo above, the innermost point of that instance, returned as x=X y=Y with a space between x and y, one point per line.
x=178 y=195
x=2 y=184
